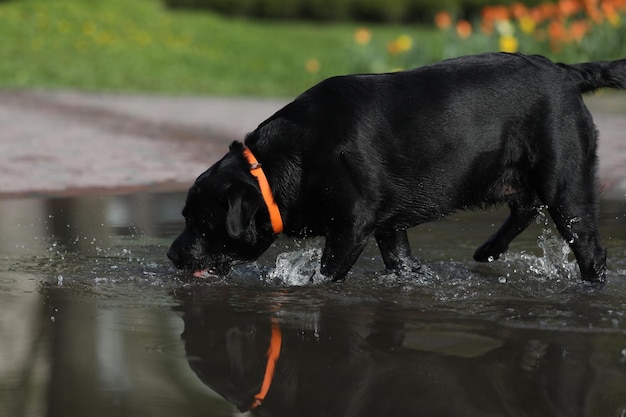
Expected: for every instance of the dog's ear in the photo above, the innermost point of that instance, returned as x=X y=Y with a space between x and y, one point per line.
x=242 y=206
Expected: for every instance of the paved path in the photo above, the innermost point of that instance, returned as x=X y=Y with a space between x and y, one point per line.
x=66 y=143
x=60 y=143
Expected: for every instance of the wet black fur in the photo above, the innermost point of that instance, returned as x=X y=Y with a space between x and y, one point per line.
x=364 y=156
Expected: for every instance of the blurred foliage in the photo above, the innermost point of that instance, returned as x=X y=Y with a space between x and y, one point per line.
x=140 y=45
x=566 y=31
x=357 y=10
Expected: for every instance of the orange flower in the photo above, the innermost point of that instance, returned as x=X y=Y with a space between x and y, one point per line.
x=443 y=20
x=591 y=7
x=556 y=31
x=494 y=13
x=611 y=14
x=362 y=36
x=557 y=34
x=578 y=30
x=463 y=29
x=536 y=15
x=568 y=7
x=518 y=10
x=543 y=12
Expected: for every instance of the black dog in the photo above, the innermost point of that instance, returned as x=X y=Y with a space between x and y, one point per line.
x=371 y=155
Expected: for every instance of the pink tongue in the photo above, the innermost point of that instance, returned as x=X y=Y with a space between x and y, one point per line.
x=203 y=273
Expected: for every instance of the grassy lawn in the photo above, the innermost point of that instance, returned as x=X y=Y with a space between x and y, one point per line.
x=138 y=45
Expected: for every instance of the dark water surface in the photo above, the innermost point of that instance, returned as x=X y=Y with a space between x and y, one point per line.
x=95 y=322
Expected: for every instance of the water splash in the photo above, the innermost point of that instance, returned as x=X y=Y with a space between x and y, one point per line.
x=298 y=268
x=555 y=261
x=542 y=218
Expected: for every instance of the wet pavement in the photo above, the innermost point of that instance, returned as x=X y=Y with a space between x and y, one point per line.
x=66 y=143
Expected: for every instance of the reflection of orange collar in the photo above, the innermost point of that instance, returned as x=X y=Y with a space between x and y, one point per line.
x=273 y=352
x=266 y=191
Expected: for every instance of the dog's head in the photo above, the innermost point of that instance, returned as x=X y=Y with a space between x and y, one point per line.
x=226 y=220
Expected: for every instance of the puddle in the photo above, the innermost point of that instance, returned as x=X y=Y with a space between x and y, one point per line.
x=95 y=321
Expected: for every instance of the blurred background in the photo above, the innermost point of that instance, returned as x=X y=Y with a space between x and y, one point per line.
x=279 y=47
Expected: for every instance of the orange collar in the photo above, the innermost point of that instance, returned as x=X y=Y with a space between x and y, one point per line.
x=266 y=191
x=273 y=353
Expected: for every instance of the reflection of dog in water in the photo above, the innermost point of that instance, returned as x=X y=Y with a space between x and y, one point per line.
x=327 y=368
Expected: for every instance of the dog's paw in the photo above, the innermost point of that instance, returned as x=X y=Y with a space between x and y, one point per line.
x=408 y=266
x=318 y=278
x=411 y=266
x=488 y=252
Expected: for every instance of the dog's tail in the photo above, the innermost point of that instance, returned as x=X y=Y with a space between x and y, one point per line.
x=591 y=76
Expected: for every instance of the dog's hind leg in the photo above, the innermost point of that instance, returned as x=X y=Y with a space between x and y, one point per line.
x=570 y=196
x=395 y=249
x=577 y=224
x=520 y=218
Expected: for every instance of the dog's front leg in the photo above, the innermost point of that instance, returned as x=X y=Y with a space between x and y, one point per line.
x=395 y=249
x=342 y=249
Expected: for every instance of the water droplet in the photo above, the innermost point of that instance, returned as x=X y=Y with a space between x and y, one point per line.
x=502 y=280
x=491 y=259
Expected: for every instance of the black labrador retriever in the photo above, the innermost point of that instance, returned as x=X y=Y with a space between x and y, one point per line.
x=368 y=155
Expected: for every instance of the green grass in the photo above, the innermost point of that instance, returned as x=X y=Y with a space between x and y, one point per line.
x=139 y=45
